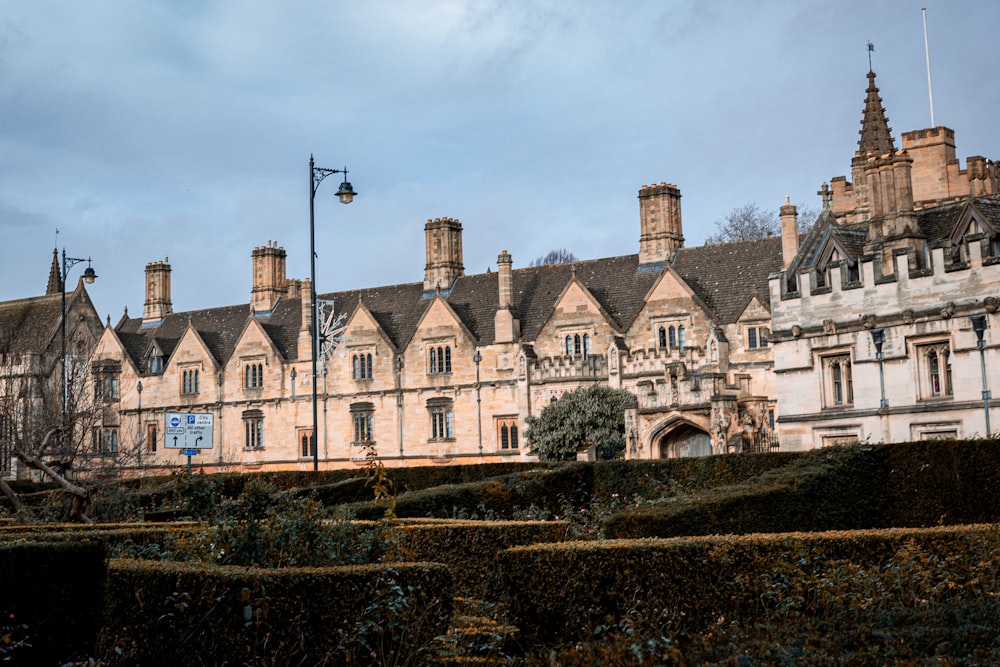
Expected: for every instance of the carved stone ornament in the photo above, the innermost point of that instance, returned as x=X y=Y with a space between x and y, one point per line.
x=908 y=316
x=948 y=311
x=869 y=321
x=991 y=303
x=829 y=327
x=796 y=330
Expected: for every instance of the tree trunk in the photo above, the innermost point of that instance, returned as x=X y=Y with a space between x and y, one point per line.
x=81 y=496
x=14 y=499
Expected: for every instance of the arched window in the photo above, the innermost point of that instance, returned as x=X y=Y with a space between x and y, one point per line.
x=662 y=336
x=440 y=359
x=368 y=361
x=577 y=350
x=673 y=337
x=569 y=346
x=586 y=344
x=433 y=360
x=447 y=359
x=681 y=339
x=355 y=362
x=254 y=376
x=307 y=441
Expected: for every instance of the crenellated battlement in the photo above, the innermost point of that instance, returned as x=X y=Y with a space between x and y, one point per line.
x=563 y=368
x=946 y=287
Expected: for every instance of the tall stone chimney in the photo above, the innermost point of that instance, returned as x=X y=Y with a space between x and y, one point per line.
x=789 y=232
x=305 y=331
x=660 y=223
x=506 y=329
x=269 y=281
x=158 y=303
x=444 y=253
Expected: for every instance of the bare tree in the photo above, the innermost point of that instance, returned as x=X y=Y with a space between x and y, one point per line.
x=71 y=442
x=750 y=223
x=560 y=256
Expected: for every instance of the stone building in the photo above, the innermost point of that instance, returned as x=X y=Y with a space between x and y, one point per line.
x=31 y=368
x=884 y=323
x=446 y=369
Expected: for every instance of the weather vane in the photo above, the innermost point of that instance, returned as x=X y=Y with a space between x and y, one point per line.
x=871 y=47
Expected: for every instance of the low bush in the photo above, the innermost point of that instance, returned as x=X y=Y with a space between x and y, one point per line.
x=470 y=548
x=729 y=587
x=189 y=614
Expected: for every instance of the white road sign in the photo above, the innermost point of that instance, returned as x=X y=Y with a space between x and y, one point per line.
x=188 y=430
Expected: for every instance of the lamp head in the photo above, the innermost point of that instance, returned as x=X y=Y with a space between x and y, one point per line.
x=979 y=325
x=878 y=337
x=89 y=276
x=346 y=192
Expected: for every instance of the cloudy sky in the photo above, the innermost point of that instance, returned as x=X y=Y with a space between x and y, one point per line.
x=183 y=128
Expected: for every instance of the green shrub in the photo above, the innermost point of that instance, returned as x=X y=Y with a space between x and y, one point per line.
x=189 y=614
x=681 y=587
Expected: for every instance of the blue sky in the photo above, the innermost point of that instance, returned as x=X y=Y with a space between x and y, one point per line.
x=183 y=129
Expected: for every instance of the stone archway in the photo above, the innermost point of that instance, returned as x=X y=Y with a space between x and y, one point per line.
x=683 y=441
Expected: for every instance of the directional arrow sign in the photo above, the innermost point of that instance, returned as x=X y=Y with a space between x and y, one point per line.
x=188 y=430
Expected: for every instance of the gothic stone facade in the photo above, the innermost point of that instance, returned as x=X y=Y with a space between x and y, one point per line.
x=884 y=324
x=447 y=369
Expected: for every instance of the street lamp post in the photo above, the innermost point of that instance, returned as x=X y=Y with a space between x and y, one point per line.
x=878 y=338
x=88 y=277
x=979 y=324
x=346 y=194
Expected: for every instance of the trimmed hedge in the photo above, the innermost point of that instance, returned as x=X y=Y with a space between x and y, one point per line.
x=681 y=586
x=470 y=548
x=838 y=488
x=52 y=597
x=184 y=614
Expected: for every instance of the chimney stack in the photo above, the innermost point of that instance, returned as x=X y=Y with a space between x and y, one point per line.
x=789 y=232
x=269 y=281
x=505 y=328
x=444 y=253
x=158 y=303
x=660 y=223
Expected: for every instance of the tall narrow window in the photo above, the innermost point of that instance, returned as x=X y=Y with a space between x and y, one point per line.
x=838 y=382
x=151 y=436
x=362 y=365
x=752 y=337
x=569 y=346
x=442 y=419
x=507 y=433
x=440 y=359
x=935 y=371
x=253 y=428
x=363 y=422
x=586 y=344
x=662 y=336
x=681 y=338
x=577 y=348
x=190 y=381
x=254 y=375
x=307 y=443
x=673 y=337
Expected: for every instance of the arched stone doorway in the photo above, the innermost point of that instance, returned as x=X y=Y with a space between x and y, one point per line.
x=683 y=441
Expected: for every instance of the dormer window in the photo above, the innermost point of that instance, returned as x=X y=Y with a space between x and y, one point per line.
x=156 y=362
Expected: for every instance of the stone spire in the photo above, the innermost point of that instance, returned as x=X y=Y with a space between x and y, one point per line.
x=876 y=135
x=55 y=275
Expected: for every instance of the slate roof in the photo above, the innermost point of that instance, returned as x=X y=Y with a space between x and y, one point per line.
x=28 y=325
x=725 y=276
